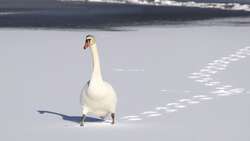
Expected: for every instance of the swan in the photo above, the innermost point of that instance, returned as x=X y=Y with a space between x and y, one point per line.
x=97 y=97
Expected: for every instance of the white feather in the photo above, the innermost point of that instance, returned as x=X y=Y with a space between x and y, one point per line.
x=98 y=99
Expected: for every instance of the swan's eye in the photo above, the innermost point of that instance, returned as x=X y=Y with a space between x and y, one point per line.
x=88 y=40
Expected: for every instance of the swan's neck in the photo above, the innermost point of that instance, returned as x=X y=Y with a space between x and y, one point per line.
x=96 y=74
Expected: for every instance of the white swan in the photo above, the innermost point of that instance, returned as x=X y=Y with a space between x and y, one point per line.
x=97 y=96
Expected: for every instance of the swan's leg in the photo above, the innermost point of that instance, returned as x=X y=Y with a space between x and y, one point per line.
x=82 y=120
x=84 y=113
x=113 y=118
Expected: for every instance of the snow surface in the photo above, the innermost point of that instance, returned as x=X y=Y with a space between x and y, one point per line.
x=173 y=83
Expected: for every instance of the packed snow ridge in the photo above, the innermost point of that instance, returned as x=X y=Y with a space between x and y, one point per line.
x=222 y=6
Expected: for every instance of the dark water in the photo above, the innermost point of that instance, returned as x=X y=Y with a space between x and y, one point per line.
x=57 y=14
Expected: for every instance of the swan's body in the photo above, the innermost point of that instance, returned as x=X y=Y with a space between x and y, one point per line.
x=97 y=96
x=98 y=100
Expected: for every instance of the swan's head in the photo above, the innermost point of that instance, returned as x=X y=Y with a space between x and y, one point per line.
x=89 y=42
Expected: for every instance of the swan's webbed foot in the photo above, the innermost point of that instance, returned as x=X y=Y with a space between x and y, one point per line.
x=82 y=120
x=81 y=124
x=113 y=118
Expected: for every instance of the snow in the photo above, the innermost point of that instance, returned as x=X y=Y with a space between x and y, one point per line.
x=223 y=6
x=42 y=73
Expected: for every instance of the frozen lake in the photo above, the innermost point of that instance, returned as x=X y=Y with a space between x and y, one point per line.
x=173 y=83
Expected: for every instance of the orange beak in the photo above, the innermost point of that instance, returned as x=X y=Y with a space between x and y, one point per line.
x=87 y=44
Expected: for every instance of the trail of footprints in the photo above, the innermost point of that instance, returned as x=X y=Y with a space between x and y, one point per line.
x=203 y=76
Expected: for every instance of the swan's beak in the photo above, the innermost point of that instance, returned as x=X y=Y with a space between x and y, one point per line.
x=87 y=44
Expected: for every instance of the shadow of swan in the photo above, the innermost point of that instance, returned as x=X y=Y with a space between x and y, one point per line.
x=72 y=118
